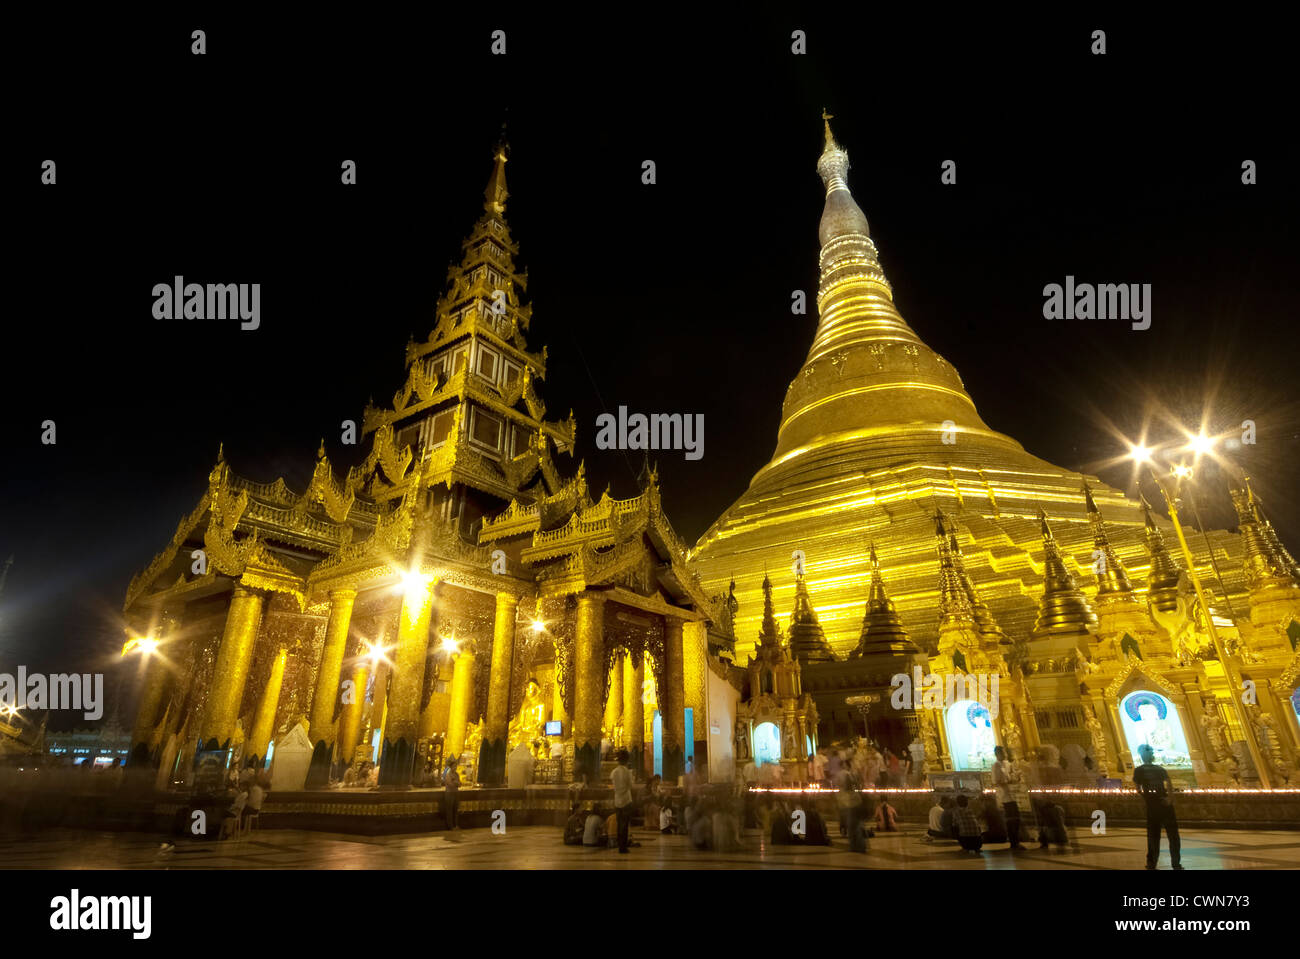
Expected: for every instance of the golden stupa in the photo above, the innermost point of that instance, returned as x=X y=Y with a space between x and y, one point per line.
x=878 y=434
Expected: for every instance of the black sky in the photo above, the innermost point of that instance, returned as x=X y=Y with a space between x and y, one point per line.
x=666 y=298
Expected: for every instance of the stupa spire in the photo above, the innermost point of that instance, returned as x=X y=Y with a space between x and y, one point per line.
x=494 y=196
x=1274 y=543
x=869 y=380
x=988 y=627
x=1112 y=578
x=1262 y=564
x=882 y=628
x=769 y=637
x=954 y=602
x=1064 y=608
x=807 y=639
x=1162 y=582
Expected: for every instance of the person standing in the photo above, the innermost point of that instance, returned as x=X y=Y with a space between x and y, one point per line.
x=1005 y=777
x=451 y=795
x=622 y=779
x=1153 y=782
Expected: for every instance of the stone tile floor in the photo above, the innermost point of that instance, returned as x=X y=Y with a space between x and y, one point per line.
x=540 y=847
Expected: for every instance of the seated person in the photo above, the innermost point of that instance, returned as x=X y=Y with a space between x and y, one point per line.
x=968 y=827
x=1051 y=824
x=230 y=824
x=886 y=817
x=666 y=820
x=995 y=824
x=940 y=828
x=817 y=835
x=593 y=830
x=702 y=829
x=781 y=834
x=575 y=826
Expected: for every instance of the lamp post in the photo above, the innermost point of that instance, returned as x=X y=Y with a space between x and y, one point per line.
x=1229 y=664
x=863 y=702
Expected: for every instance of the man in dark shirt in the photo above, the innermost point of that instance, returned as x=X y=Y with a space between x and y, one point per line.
x=1153 y=782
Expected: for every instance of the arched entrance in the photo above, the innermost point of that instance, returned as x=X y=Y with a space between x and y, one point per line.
x=1151 y=719
x=767 y=744
x=970 y=735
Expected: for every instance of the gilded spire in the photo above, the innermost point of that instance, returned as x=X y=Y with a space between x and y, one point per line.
x=1162 y=583
x=1112 y=578
x=494 y=197
x=769 y=637
x=1063 y=608
x=1263 y=566
x=988 y=627
x=1284 y=558
x=864 y=346
x=807 y=639
x=954 y=602
x=882 y=629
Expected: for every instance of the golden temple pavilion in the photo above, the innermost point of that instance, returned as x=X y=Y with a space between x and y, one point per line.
x=458 y=593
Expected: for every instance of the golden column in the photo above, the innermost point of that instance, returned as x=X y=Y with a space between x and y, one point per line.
x=634 y=711
x=492 y=751
x=614 y=701
x=558 y=712
x=401 y=729
x=588 y=680
x=326 y=695
x=233 y=659
x=155 y=671
x=695 y=653
x=350 y=717
x=264 y=724
x=462 y=694
x=672 y=707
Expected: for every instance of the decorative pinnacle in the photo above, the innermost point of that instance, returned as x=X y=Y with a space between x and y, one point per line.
x=494 y=197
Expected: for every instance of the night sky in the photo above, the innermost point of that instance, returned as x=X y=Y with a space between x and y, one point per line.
x=666 y=298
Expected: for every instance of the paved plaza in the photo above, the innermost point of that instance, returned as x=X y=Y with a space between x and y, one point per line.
x=540 y=847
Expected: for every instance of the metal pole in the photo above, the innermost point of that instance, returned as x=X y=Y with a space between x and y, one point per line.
x=1229 y=667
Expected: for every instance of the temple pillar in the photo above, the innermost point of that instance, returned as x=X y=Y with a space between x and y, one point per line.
x=351 y=716
x=634 y=711
x=1124 y=757
x=156 y=672
x=233 y=659
x=462 y=694
x=614 y=701
x=558 y=712
x=588 y=679
x=695 y=668
x=672 y=706
x=401 y=728
x=264 y=721
x=496 y=725
x=326 y=695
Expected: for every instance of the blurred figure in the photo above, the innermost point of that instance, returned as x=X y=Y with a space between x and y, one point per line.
x=886 y=816
x=968 y=827
x=622 y=780
x=1005 y=776
x=451 y=795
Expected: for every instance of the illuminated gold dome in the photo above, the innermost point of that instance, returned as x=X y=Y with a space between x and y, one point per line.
x=877 y=433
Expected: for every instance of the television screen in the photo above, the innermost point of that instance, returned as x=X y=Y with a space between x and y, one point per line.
x=553 y=728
